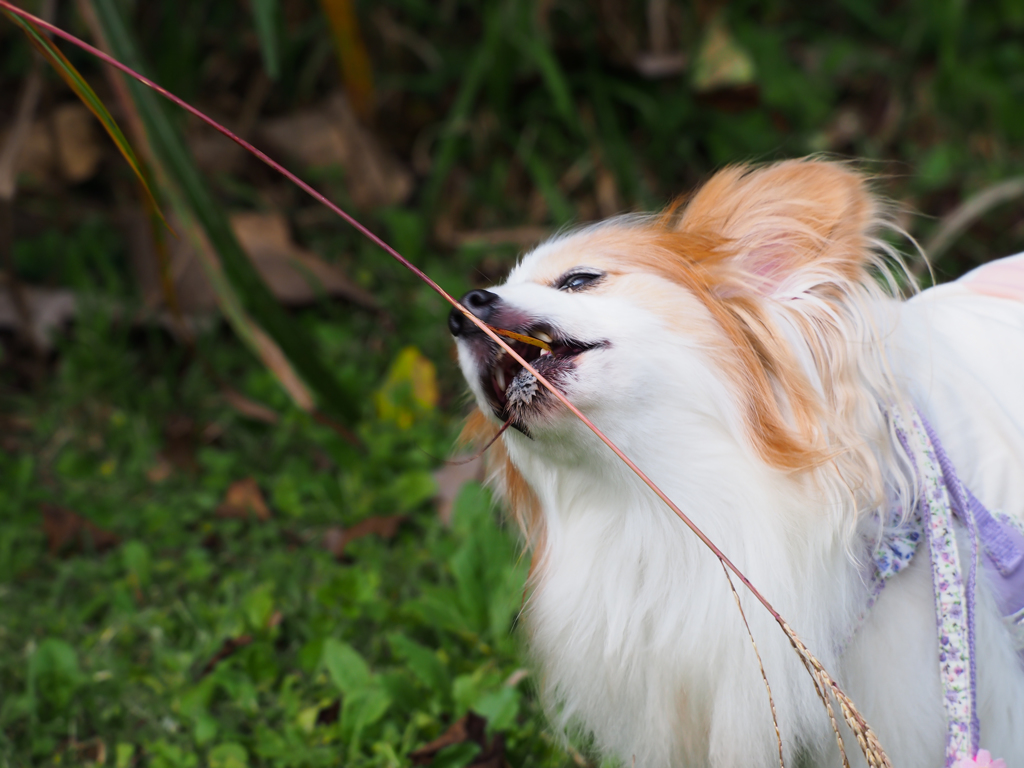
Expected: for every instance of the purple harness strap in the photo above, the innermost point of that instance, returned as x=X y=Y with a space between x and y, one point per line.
x=1002 y=548
x=1001 y=544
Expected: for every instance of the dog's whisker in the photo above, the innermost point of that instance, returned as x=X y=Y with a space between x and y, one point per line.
x=482 y=451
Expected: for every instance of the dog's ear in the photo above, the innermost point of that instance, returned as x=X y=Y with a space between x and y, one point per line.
x=780 y=221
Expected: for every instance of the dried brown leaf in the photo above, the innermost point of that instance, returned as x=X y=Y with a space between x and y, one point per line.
x=49 y=309
x=249 y=408
x=68 y=532
x=244 y=498
x=77 y=145
x=330 y=134
x=61 y=146
x=275 y=359
x=227 y=648
x=334 y=541
x=90 y=752
x=469 y=728
x=181 y=439
x=295 y=275
x=385 y=526
x=160 y=471
x=337 y=538
x=211 y=276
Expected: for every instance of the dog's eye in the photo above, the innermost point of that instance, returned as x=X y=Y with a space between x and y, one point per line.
x=578 y=280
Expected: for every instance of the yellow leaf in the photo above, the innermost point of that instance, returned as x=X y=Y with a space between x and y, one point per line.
x=307 y=719
x=721 y=62
x=409 y=390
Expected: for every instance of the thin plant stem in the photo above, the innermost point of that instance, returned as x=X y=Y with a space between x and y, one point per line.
x=760 y=664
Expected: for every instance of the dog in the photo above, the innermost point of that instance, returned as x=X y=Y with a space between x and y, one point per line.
x=747 y=349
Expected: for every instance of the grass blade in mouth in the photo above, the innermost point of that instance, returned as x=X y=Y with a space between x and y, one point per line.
x=521 y=337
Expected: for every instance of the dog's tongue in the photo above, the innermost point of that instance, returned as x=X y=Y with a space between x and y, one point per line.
x=521 y=390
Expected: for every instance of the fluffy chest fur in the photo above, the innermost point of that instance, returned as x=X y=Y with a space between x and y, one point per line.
x=634 y=629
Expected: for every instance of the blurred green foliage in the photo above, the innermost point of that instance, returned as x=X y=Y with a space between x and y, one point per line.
x=510 y=114
x=408 y=633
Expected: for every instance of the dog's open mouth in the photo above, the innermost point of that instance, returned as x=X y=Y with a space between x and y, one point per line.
x=510 y=387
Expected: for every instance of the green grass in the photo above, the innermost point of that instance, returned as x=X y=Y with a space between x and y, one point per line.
x=522 y=117
x=408 y=633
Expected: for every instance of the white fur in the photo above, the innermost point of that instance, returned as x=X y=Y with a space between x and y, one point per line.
x=631 y=620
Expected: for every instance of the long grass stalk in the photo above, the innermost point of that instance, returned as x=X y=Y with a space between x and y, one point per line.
x=866 y=738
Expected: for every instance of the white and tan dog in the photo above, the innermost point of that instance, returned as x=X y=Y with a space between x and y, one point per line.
x=744 y=349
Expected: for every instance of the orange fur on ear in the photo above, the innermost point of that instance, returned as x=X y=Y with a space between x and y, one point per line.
x=785 y=217
x=797 y=227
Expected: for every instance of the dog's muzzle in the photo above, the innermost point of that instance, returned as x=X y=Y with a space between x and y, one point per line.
x=481 y=303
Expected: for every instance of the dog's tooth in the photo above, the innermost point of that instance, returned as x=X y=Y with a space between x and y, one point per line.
x=544 y=352
x=546 y=338
x=499 y=376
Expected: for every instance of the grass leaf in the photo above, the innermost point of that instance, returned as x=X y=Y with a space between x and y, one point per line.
x=84 y=91
x=265 y=15
x=347 y=668
x=423 y=663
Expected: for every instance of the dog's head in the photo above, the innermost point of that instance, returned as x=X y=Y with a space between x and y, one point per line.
x=731 y=308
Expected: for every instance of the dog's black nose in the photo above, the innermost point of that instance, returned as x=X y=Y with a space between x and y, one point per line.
x=480 y=303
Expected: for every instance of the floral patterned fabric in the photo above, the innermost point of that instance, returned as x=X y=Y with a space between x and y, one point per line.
x=953 y=603
x=895 y=546
x=892 y=545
